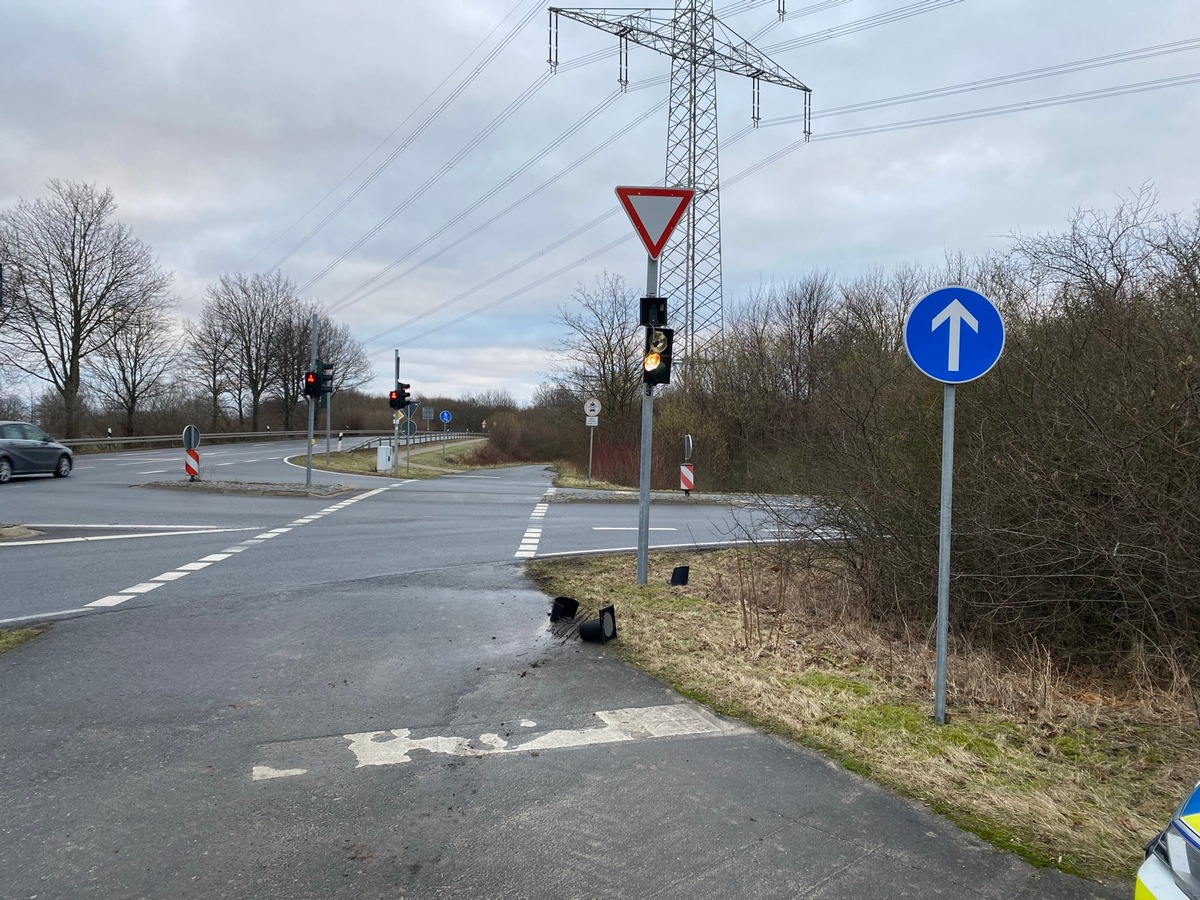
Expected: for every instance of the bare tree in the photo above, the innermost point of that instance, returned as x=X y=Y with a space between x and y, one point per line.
x=252 y=310
x=336 y=346
x=295 y=329
x=210 y=352
x=74 y=277
x=135 y=373
x=603 y=348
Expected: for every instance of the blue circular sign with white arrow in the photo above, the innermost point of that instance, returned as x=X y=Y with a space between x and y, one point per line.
x=954 y=335
x=445 y=416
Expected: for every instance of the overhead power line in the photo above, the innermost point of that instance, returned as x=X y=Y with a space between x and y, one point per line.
x=883 y=18
x=1020 y=106
x=858 y=25
x=984 y=83
x=966 y=115
x=372 y=286
x=474 y=74
x=417 y=132
x=479 y=138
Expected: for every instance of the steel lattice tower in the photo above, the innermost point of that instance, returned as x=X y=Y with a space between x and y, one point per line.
x=699 y=46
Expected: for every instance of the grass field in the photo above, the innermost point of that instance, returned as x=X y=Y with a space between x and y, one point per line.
x=1073 y=772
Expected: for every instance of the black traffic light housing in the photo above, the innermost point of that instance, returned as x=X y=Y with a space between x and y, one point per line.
x=653 y=311
x=656 y=364
x=394 y=399
x=403 y=395
x=326 y=375
x=312 y=384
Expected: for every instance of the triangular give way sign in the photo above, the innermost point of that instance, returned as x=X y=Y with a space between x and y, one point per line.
x=654 y=212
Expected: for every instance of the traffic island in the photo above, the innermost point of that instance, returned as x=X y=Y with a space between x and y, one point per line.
x=259 y=489
x=12 y=532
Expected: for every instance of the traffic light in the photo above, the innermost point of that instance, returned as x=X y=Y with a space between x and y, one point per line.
x=656 y=365
x=394 y=399
x=326 y=377
x=312 y=384
x=403 y=395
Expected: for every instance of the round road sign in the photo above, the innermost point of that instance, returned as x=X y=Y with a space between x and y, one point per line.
x=592 y=407
x=445 y=416
x=408 y=428
x=954 y=335
x=191 y=437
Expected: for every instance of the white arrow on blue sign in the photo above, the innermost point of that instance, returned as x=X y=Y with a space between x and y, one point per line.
x=954 y=335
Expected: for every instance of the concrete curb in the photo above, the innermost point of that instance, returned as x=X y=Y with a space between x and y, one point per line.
x=589 y=495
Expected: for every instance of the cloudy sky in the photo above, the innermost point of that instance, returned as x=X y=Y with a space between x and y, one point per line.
x=413 y=165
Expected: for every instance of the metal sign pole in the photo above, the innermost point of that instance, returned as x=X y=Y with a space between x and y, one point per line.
x=954 y=335
x=328 y=419
x=647 y=430
x=312 y=401
x=591 y=434
x=943 y=588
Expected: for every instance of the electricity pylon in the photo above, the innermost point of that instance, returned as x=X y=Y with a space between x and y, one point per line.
x=699 y=45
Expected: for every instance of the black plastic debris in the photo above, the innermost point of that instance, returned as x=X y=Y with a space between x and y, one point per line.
x=601 y=630
x=563 y=608
x=679 y=575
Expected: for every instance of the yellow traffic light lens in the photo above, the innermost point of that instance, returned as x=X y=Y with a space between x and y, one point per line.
x=653 y=361
x=658 y=343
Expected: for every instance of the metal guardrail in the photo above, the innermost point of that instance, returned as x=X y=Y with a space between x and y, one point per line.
x=422 y=437
x=151 y=442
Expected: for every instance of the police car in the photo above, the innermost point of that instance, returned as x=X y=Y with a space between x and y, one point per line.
x=1172 y=867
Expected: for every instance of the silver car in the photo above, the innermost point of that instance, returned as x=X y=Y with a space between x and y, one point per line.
x=27 y=450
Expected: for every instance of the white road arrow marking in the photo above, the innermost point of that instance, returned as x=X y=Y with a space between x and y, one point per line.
x=613 y=726
x=956 y=314
x=388 y=748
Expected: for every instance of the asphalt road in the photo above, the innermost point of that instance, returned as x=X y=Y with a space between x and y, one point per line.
x=361 y=696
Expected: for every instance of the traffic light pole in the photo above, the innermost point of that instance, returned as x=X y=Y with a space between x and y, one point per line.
x=328 y=418
x=643 y=551
x=312 y=401
x=396 y=427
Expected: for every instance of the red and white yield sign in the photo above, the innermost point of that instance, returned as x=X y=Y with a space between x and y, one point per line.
x=654 y=212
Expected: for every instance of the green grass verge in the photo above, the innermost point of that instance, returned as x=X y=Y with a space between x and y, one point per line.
x=1080 y=790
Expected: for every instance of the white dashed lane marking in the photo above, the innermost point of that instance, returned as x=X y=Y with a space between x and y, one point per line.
x=533 y=534
x=111 y=600
x=205 y=561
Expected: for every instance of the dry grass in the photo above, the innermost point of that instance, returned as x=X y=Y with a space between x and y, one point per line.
x=1074 y=772
x=14 y=637
x=568 y=475
x=362 y=462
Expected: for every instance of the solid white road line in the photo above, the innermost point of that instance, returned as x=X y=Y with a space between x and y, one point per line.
x=626 y=528
x=193 y=527
x=41 y=617
x=116 y=537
